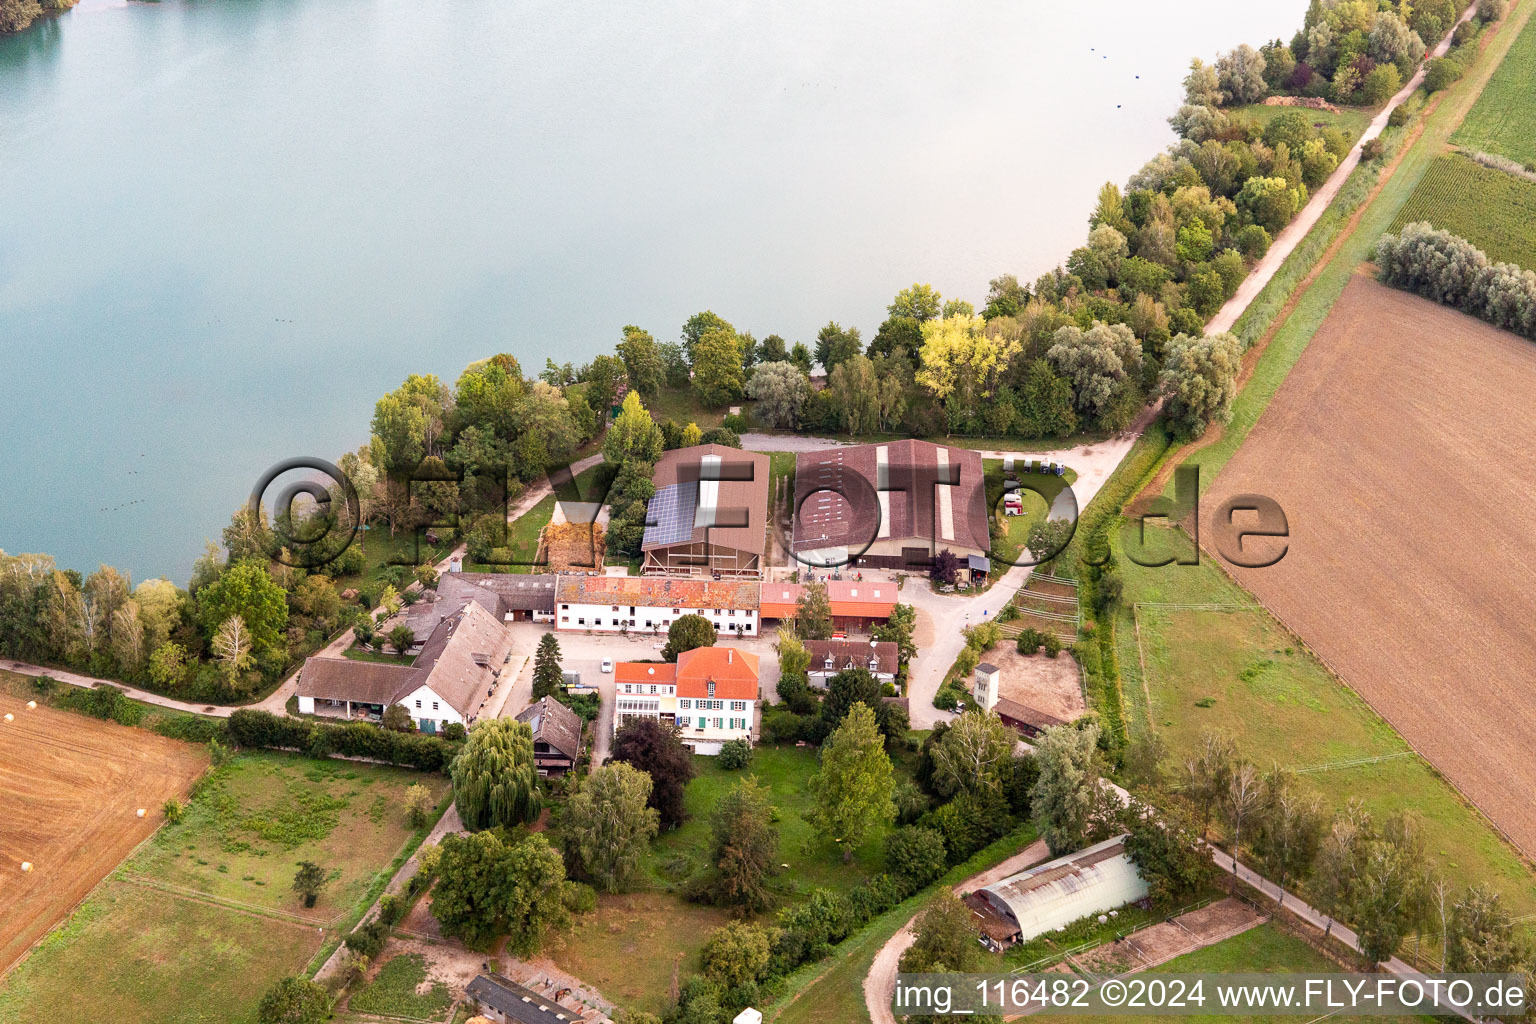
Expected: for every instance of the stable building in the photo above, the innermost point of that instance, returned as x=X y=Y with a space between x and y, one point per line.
x=556 y=735
x=1019 y=717
x=890 y=506
x=450 y=679
x=857 y=605
x=500 y=999
x=1053 y=895
x=708 y=515
x=881 y=658
x=650 y=604
x=507 y=596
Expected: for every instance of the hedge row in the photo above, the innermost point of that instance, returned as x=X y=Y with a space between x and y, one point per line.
x=250 y=728
x=1451 y=270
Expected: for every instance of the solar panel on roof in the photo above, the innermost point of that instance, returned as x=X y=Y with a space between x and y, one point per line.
x=670 y=514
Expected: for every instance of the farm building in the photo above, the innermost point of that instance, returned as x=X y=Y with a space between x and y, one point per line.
x=650 y=604
x=829 y=657
x=891 y=506
x=450 y=679
x=1027 y=720
x=1055 y=894
x=710 y=695
x=556 y=735
x=504 y=1001
x=856 y=604
x=707 y=516
x=507 y=596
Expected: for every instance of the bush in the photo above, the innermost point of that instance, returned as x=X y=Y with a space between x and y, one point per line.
x=579 y=897
x=1029 y=641
x=1448 y=269
x=1373 y=150
x=1492 y=10
x=368 y=939
x=173 y=810
x=261 y=729
x=915 y=855
x=735 y=754
x=1441 y=73
x=1398 y=117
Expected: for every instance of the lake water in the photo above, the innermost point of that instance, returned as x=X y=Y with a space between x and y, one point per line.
x=227 y=226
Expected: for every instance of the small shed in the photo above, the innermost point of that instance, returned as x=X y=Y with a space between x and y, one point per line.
x=506 y=1002
x=749 y=1016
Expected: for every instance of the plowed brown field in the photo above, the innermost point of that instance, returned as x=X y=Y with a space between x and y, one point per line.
x=71 y=788
x=1400 y=447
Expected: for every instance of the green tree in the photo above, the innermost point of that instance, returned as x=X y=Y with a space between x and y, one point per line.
x=610 y=823
x=899 y=630
x=1069 y=792
x=1199 y=377
x=489 y=886
x=1483 y=938
x=401 y=638
x=1268 y=202
x=946 y=938
x=168 y=665
x=853 y=788
x=634 y=436
x=855 y=393
x=547 y=676
x=494 y=779
x=975 y=754
x=698 y=325
x=294 y=1000
x=920 y=302
x=245 y=589
x=801 y=357
x=659 y=752
x=737 y=954
x=915 y=855
x=1166 y=846
x=1290 y=829
x=813 y=613
x=836 y=344
x=717 y=372
x=781 y=392
x=418 y=805
x=308 y=881
x=744 y=848
x=397 y=718
x=687 y=633
x=642 y=360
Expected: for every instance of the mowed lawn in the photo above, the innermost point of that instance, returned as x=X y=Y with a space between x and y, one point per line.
x=140 y=956
x=1266 y=948
x=786 y=773
x=1352 y=121
x=1503 y=120
x=261 y=813
x=1491 y=209
x=1284 y=708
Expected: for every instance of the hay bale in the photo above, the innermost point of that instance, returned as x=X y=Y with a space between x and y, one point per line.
x=26 y=865
x=31 y=705
x=10 y=717
x=140 y=812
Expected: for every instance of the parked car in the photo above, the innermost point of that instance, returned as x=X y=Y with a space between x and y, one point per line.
x=607 y=665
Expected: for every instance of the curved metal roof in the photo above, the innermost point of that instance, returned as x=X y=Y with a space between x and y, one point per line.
x=1056 y=893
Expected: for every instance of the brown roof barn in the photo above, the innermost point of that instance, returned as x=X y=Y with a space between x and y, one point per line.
x=708 y=512
x=556 y=735
x=846 y=654
x=889 y=504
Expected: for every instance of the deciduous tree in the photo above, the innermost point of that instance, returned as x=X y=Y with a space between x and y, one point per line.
x=853 y=788
x=488 y=887
x=687 y=633
x=494 y=779
x=611 y=824
x=657 y=750
x=1069 y=792
x=745 y=848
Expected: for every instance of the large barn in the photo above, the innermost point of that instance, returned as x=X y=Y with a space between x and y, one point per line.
x=708 y=515
x=1052 y=895
x=890 y=506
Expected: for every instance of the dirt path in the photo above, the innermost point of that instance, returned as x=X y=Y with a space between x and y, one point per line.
x=880 y=983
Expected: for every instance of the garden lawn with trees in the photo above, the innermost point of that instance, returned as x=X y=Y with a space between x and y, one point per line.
x=255 y=817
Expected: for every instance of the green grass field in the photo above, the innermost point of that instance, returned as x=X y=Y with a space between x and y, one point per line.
x=1044 y=487
x=1504 y=118
x=1491 y=209
x=145 y=957
x=261 y=813
x=1266 y=948
x=1238 y=671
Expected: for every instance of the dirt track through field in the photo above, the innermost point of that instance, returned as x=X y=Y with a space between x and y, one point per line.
x=1399 y=450
x=71 y=787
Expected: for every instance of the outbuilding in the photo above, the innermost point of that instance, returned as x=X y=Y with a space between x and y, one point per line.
x=1051 y=896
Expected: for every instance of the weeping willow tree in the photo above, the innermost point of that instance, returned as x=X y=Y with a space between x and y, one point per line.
x=494 y=780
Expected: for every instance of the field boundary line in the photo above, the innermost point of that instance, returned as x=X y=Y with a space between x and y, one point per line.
x=1355 y=762
x=1141 y=656
x=186 y=892
x=1524 y=855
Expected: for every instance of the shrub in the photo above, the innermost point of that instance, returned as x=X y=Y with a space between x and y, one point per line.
x=1441 y=73
x=1492 y=10
x=173 y=810
x=915 y=855
x=1029 y=641
x=1448 y=269
x=735 y=754
x=1373 y=150
x=1398 y=117
x=579 y=897
x=368 y=939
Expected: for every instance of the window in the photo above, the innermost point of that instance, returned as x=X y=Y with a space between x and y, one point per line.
x=653 y=687
x=647 y=623
x=719 y=723
x=685 y=704
x=418 y=704
x=614 y=608
x=738 y=705
x=581 y=622
x=677 y=611
x=732 y=613
x=565 y=619
x=718 y=627
x=631 y=609
x=565 y=607
x=434 y=705
x=711 y=687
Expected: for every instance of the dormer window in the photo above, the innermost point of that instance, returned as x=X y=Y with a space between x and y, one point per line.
x=711 y=687
x=874 y=664
x=829 y=663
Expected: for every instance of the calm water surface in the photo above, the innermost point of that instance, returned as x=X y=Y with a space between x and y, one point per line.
x=227 y=226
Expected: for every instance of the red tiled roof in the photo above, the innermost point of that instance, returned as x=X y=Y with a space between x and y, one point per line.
x=733 y=671
x=853 y=598
x=658 y=592
x=643 y=672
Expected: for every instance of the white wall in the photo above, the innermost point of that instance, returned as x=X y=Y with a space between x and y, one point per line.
x=442 y=714
x=601 y=618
